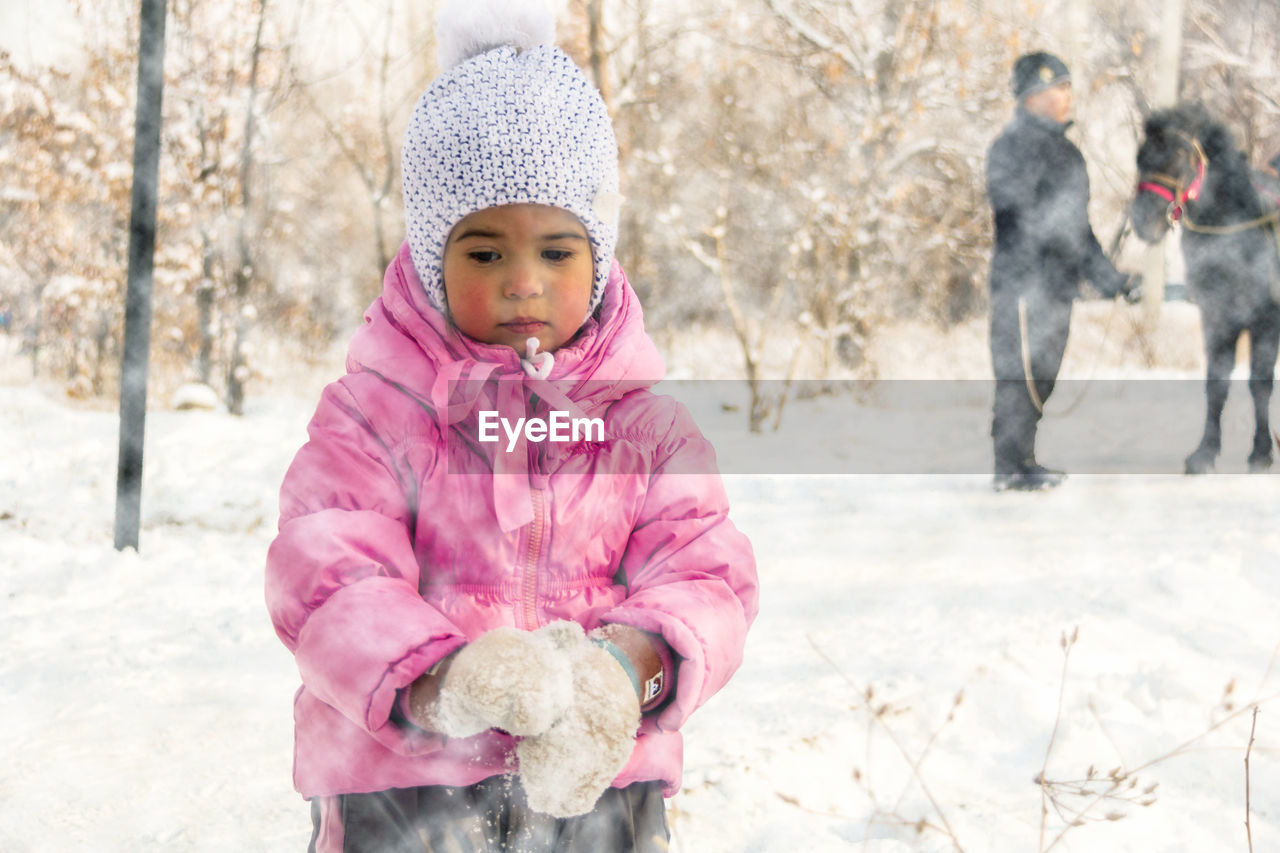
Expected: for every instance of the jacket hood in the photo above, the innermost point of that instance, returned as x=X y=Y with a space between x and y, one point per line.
x=408 y=341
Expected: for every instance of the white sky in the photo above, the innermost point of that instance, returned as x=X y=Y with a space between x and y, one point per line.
x=36 y=31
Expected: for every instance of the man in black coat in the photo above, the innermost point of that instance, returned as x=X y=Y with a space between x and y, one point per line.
x=1044 y=246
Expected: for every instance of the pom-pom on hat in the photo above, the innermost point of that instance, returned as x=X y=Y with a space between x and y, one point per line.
x=1035 y=72
x=510 y=120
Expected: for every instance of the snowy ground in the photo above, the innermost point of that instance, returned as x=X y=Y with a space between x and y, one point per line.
x=147 y=701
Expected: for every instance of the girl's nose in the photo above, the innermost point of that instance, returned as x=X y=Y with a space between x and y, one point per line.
x=523 y=281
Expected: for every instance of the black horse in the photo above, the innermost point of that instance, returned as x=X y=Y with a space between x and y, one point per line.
x=1191 y=172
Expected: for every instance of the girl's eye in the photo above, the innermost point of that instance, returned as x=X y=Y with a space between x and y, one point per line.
x=557 y=255
x=483 y=256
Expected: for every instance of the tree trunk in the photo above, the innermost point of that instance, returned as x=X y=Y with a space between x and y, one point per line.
x=595 y=44
x=238 y=369
x=204 y=312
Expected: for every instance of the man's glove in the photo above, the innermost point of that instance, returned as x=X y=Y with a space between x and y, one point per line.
x=566 y=768
x=517 y=681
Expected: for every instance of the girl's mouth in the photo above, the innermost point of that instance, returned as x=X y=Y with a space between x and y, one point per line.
x=524 y=325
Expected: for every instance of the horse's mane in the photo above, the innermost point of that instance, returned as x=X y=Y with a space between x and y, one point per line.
x=1240 y=190
x=1195 y=121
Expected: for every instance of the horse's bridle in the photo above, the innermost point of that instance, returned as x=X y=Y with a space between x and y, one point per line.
x=1171 y=188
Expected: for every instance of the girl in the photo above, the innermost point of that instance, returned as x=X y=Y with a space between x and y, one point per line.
x=502 y=622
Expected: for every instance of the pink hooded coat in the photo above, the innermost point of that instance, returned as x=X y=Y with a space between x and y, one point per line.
x=402 y=537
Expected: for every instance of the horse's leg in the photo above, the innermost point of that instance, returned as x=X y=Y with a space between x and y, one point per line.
x=1264 y=339
x=1220 y=356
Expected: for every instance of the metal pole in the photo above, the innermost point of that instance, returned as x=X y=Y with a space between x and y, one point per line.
x=142 y=242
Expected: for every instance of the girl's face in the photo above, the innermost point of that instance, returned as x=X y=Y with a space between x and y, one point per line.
x=516 y=272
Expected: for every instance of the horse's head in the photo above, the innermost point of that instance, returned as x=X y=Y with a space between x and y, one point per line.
x=1171 y=170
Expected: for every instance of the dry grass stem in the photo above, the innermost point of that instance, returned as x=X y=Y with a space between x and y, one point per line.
x=1121 y=786
x=1248 y=829
x=879 y=714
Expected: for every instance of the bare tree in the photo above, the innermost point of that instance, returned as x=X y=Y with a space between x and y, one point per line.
x=368 y=143
x=243 y=271
x=1230 y=64
x=825 y=163
x=798 y=172
x=66 y=180
x=216 y=200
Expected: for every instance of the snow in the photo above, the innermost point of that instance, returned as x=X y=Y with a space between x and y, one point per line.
x=195 y=395
x=147 y=700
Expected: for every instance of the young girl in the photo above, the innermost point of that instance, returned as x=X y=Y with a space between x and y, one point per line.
x=504 y=565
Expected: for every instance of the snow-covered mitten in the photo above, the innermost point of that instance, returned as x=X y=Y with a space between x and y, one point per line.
x=517 y=681
x=567 y=768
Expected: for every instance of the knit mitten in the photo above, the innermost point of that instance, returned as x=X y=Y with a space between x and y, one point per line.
x=517 y=681
x=565 y=769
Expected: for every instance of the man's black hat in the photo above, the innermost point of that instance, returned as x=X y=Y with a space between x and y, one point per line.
x=1034 y=72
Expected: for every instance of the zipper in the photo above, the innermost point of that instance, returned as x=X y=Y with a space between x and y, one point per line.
x=529 y=580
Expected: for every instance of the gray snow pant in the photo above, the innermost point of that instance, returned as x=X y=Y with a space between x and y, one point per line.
x=488 y=817
x=1015 y=415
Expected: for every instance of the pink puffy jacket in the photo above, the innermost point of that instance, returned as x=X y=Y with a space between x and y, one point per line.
x=402 y=537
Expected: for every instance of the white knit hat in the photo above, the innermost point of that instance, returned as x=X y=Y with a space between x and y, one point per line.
x=510 y=120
